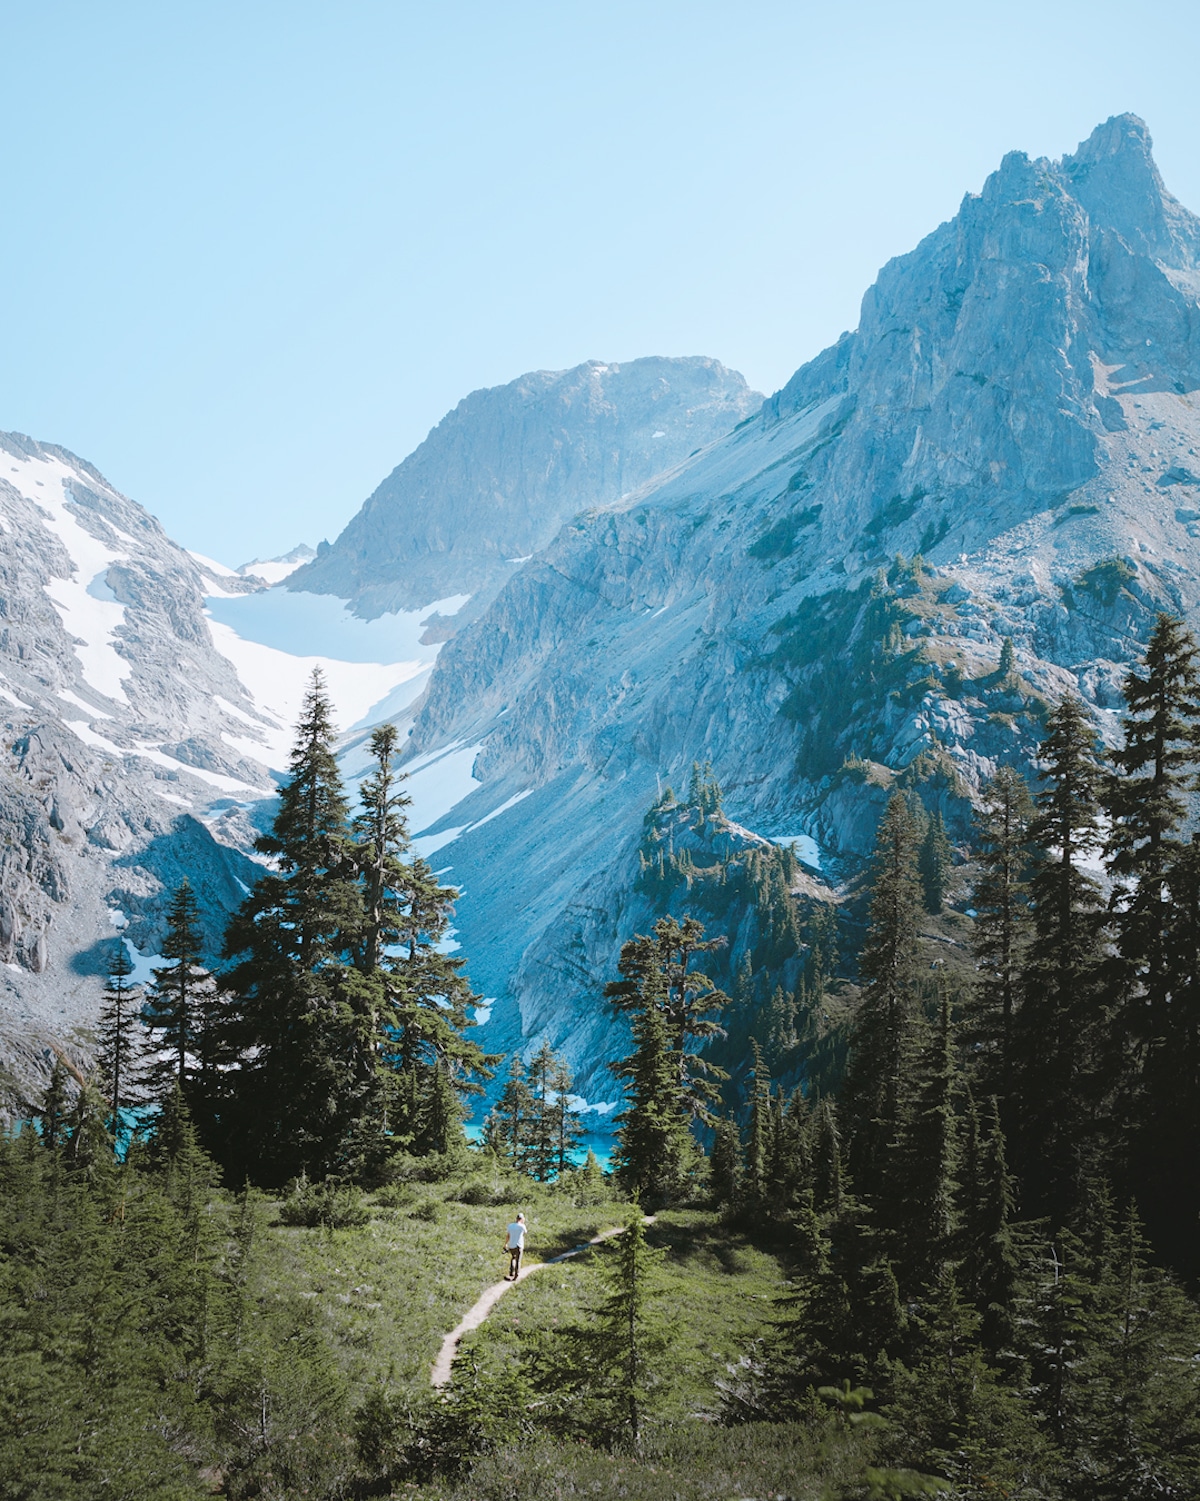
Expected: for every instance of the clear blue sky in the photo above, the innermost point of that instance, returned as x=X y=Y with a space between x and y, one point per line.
x=250 y=253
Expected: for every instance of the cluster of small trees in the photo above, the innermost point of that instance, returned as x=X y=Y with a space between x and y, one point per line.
x=336 y=1036
x=535 y=1124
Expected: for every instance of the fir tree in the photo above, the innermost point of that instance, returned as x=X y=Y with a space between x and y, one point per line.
x=828 y=1181
x=543 y=1134
x=180 y=999
x=1002 y=927
x=297 y=1088
x=989 y=1263
x=762 y=1133
x=1153 y=1030
x=119 y=1034
x=614 y=1361
x=568 y=1129
x=934 y=864
x=725 y=1163
x=921 y=1188
x=507 y=1129
x=655 y=1152
x=657 y=970
x=881 y=1044
x=1061 y=1017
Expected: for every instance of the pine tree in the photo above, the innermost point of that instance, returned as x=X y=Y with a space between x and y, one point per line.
x=881 y=1044
x=542 y=1141
x=1153 y=1031
x=568 y=1128
x=725 y=1163
x=934 y=864
x=507 y=1128
x=53 y=1111
x=920 y=1189
x=658 y=970
x=1061 y=1019
x=180 y=999
x=989 y=1263
x=1002 y=927
x=297 y=1088
x=615 y=1361
x=1008 y=659
x=655 y=1152
x=762 y=1134
x=828 y=1180
x=119 y=1035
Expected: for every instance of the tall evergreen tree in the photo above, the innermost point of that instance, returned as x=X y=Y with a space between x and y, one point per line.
x=1002 y=927
x=657 y=970
x=1061 y=1017
x=567 y=1127
x=180 y=1000
x=921 y=1189
x=934 y=864
x=297 y=1088
x=655 y=1153
x=882 y=1041
x=1153 y=1055
x=507 y=1129
x=119 y=1035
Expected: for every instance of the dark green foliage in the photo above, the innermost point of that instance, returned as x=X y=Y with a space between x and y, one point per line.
x=1002 y=927
x=1104 y=581
x=332 y=1205
x=655 y=1152
x=882 y=1042
x=779 y=539
x=608 y=1369
x=1061 y=1019
x=181 y=1004
x=934 y=864
x=119 y=1036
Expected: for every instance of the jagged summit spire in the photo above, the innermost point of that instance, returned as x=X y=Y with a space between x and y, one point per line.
x=1114 y=176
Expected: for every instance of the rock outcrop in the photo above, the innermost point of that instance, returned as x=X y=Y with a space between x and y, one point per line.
x=498 y=476
x=1018 y=406
x=117 y=771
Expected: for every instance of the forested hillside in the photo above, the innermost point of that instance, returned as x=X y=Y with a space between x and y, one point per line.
x=953 y=1252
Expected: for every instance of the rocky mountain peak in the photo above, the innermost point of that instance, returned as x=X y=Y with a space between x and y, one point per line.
x=498 y=476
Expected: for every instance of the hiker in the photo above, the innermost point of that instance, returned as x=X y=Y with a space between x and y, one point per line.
x=514 y=1244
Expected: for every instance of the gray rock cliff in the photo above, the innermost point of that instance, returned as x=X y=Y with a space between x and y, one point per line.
x=1020 y=406
x=499 y=475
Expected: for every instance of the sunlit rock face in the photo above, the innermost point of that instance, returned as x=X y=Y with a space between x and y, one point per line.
x=1018 y=406
x=499 y=475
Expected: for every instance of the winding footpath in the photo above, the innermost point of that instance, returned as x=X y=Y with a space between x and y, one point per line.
x=440 y=1374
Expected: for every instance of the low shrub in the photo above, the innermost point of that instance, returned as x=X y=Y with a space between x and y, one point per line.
x=331 y=1205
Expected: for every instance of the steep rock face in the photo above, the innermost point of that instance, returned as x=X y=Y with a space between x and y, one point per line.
x=118 y=772
x=1018 y=405
x=499 y=475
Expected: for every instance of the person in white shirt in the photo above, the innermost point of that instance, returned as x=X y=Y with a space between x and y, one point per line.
x=514 y=1245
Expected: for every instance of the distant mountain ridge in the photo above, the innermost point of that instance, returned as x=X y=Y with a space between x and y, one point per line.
x=1019 y=405
x=499 y=475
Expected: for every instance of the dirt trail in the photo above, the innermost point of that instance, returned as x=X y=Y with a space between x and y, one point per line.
x=440 y=1374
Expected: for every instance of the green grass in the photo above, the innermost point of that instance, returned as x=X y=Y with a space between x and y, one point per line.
x=389 y=1291
x=718 y=1294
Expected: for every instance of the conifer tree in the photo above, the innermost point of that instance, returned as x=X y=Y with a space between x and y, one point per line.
x=55 y=1105
x=1061 y=1018
x=543 y=1132
x=297 y=1088
x=567 y=1127
x=180 y=999
x=882 y=1041
x=615 y=1361
x=934 y=864
x=725 y=1163
x=921 y=1189
x=119 y=1035
x=828 y=1181
x=507 y=1128
x=655 y=1152
x=762 y=1134
x=1002 y=823
x=989 y=1264
x=657 y=970
x=1154 y=1026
